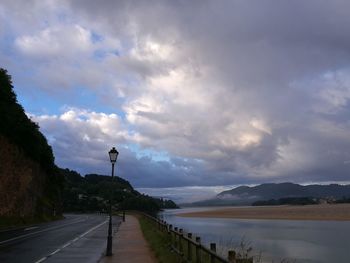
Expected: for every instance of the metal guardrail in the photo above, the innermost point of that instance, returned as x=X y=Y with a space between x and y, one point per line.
x=190 y=249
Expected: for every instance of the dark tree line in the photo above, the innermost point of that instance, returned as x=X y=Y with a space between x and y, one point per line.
x=92 y=193
x=287 y=201
x=300 y=201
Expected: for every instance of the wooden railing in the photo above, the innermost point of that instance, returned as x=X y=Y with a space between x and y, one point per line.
x=190 y=249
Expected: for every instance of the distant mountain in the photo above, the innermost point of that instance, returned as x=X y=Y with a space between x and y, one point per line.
x=245 y=195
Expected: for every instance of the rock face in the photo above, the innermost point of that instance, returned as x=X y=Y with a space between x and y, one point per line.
x=22 y=182
x=30 y=185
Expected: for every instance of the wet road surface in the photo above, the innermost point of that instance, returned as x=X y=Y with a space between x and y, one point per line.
x=77 y=238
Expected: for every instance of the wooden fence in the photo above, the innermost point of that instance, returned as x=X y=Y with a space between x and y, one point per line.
x=190 y=248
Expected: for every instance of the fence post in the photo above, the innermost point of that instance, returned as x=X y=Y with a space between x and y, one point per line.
x=180 y=241
x=189 y=247
x=212 y=248
x=170 y=229
x=176 y=237
x=232 y=256
x=198 y=250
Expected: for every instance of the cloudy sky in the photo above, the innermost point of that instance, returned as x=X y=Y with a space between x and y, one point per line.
x=197 y=96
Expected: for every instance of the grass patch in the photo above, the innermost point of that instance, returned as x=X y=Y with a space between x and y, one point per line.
x=159 y=242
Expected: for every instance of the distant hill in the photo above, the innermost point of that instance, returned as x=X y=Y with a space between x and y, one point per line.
x=245 y=195
x=92 y=192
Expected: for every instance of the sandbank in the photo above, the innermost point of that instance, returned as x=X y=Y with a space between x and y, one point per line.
x=337 y=212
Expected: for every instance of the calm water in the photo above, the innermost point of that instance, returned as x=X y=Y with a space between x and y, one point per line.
x=299 y=241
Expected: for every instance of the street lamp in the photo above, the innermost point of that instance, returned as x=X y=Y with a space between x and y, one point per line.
x=113 y=155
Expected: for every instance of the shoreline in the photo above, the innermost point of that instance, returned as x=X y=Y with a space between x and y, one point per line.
x=324 y=212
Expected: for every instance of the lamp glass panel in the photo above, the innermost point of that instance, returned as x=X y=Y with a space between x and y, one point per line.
x=113 y=157
x=113 y=154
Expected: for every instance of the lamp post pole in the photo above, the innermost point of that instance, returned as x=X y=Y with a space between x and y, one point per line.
x=113 y=154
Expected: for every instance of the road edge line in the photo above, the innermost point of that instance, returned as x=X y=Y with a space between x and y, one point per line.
x=71 y=242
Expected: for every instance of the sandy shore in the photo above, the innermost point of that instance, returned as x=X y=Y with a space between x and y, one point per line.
x=339 y=212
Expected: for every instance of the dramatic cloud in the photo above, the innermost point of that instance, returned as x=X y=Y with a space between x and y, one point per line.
x=195 y=94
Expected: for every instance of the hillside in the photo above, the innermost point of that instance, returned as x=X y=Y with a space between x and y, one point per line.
x=245 y=195
x=33 y=188
x=92 y=192
x=30 y=186
x=276 y=191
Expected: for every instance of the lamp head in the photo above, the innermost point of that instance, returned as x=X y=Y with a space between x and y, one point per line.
x=113 y=155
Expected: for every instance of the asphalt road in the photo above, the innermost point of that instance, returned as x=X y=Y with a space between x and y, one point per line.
x=77 y=238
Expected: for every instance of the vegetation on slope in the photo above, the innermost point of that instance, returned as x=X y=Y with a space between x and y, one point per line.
x=300 y=201
x=287 y=201
x=93 y=192
x=30 y=186
x=19 y=129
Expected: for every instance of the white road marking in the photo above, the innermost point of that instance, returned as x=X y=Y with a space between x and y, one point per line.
x=41 y=260
x=71 y=242
x=33 y=233
x=66 y=245
x=30 y=228
x=56 y=251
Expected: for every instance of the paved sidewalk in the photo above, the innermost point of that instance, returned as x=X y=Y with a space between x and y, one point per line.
x=129 y=245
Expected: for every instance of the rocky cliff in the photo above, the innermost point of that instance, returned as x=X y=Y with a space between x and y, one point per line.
x=22 y=182
x=30 y=184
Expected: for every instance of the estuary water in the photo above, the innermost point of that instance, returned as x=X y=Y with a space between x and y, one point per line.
x=296 y=240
